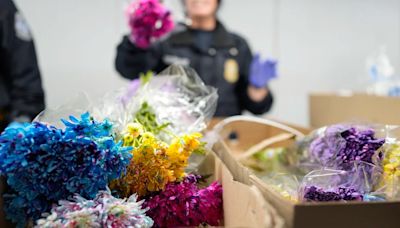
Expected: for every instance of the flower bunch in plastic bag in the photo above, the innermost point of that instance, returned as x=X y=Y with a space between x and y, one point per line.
x=390 y=180
x=339 y=185
x=148 y=20
x=185 y=204
x=329 y=185
x=44 y=164
x=339 y=146
x=103 y=211
x=154 y=163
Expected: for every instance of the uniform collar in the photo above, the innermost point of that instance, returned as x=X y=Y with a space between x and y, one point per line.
x=221 y=37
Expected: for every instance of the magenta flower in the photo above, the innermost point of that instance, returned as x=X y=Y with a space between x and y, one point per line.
x=184 y=204
x=148 y=20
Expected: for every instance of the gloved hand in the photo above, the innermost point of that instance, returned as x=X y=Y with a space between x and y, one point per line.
x=148 y=20
x=262 y=71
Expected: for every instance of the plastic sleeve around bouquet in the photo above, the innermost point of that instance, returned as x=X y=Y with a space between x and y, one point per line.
x=389 y=183
x=177 y=96
x=285 y=184
x=338 y=146
x=325 y=185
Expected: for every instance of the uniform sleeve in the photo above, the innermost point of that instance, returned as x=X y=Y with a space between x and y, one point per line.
x=26 y=92
x=131 y=60
x=257 y=108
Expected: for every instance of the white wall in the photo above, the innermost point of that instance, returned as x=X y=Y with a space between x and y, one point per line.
x=322 y=45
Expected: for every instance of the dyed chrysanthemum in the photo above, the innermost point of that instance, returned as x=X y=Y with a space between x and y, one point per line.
x=342 y=145
x=154 y=163
x=103 y=211
x=390 y=179
x=184 y=204
x=44 y=164
x=315 y=194
x=148 y=20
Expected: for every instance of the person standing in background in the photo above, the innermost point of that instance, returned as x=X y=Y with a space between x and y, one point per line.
x=221 y=58
x=21 y=92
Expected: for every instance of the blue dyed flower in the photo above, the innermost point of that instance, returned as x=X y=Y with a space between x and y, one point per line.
x=44 y=164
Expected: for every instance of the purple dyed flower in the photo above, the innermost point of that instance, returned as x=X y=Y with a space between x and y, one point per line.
x=148 y=20
x=316 y=194
x=342 y=145
x=184 y=204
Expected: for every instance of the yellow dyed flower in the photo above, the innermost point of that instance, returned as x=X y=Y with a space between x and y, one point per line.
x=148 y=138
x=134 y=129
x=192 y=141
x=154 y=163
x=391 y=171
x=128 y=140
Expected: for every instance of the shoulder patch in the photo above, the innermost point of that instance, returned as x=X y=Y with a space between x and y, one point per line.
x=21 y=27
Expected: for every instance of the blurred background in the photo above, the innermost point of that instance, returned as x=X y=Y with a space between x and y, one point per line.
x=321 y=45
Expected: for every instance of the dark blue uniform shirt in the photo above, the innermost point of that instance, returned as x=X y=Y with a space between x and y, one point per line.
x=21 y=92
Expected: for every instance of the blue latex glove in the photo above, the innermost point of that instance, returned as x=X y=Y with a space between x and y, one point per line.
x=262 y=71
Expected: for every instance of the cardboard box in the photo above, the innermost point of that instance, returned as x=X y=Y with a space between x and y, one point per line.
x=244 y=205
x=247 y=134
x=301 y=215
x=331 y=108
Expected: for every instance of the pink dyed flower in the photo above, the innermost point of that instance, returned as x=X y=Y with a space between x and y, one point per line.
x=148 y=20
x=184 y=204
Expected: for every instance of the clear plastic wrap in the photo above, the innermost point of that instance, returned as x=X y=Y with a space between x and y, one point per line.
x=75 y=106
x=327 y=185
x=353 y=157
x=285 y=184
x=389 y=183
x=339 y=146
x=177 y=96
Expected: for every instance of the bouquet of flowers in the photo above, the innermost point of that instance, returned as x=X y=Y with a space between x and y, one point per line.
x=44 y=164
x=148 y=20
x=121 y=149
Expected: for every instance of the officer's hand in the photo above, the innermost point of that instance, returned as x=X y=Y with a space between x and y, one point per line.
x=149 y=21
x=262 y=71
x=257 y=94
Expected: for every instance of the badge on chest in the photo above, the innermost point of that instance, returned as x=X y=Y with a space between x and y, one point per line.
x=231 y=71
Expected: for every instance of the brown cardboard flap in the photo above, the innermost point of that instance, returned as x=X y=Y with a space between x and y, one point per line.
x=248 y=134
x=239 y=172
x=331 y=108
x=244 y=205
x=348 y=215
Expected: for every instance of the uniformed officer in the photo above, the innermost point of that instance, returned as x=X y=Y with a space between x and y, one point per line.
x=222 y=59
x=21 y=93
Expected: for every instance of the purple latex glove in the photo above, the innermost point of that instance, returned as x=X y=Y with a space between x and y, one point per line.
x=262 y=71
